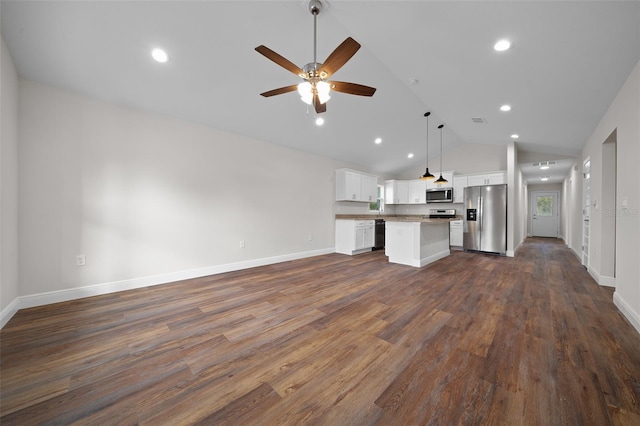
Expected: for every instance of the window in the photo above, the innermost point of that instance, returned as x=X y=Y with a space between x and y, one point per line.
x=378 y=206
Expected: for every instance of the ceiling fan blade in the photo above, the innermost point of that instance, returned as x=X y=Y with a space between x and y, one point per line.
x=340 y=56
x=280 y=91
x=280 y=60
x=320 y=108
x=352 y=88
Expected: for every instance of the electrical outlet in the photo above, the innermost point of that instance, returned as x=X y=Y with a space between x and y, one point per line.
x=309 y=237
x=81 y=260
x=241 y=243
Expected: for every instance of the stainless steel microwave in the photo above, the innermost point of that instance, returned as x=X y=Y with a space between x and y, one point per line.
x=440 y=195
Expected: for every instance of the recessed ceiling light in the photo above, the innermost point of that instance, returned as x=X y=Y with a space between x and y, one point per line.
x=410 y=155
x=544 y=179
x=544 y=167
x=502 y=45
x=505 y=108
x=319 y=121
x=159 y=55
x=378 y=141
x=515 y=136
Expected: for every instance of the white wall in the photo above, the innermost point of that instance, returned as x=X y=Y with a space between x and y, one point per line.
x=623 y=116
x=150 y=199
x=463 y=159
x=572 y=191
x=8 y=182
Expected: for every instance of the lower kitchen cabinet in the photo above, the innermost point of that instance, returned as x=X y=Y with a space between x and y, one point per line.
x=455 y=233
x=354 y=236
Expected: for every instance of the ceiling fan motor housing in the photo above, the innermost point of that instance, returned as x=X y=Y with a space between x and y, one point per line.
x=313 y=71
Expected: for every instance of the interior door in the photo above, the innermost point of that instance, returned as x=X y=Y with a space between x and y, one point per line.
x=544 y=214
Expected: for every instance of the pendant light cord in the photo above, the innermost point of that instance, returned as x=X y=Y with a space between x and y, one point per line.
x=427 y=114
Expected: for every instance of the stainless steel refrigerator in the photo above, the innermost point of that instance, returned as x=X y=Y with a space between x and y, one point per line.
x=485 y=219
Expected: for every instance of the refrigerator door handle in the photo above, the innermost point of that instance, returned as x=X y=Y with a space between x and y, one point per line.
x=480 y=213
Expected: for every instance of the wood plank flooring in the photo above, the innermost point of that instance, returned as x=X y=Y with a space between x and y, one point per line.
x=334 y=340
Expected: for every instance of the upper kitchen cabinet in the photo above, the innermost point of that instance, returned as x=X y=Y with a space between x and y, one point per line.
x=459 y=184
x=417 y=191
x=352 y=185
x=431 y=183
x=495 y=178
x=405 y=192
x=396 y=192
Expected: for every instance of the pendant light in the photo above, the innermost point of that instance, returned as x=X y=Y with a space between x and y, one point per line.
x=427 y=175
x=441 y=180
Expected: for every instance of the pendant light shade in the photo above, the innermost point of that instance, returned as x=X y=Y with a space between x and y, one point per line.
x=427 y=175
x=441 y=180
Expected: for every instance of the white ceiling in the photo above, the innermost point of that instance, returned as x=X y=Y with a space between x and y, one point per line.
x=568 y=61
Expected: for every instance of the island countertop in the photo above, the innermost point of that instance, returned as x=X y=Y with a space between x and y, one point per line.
x=397 y=218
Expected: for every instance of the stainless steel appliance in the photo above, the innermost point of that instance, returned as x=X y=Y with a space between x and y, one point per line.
x=379 y=240
x=485 y=219
x=440 y=195
x=442 y=213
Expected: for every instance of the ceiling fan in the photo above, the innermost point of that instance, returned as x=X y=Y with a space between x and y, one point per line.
x=315 y=89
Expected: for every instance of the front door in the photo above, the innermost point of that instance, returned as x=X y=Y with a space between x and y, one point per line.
x=544 y=214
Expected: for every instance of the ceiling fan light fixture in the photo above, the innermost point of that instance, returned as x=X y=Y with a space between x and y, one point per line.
x=159 y=55
x=323 y=88
x=315 y=90
x=305 y=92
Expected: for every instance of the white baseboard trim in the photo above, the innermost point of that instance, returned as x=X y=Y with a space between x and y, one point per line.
x=9 y=311
x=629 y=313
x=600 y=279
x=57 y=296
x=430 y=259
x=607 y=281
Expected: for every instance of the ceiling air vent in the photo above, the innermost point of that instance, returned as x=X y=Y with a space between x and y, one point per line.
x=478 y=120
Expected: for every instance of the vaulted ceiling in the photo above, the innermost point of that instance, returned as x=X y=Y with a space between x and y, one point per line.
x=567 y=62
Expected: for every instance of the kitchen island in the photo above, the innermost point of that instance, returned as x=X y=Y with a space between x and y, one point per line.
x=412 y=240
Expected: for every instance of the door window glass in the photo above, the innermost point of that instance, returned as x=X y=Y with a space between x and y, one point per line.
x=544 y=205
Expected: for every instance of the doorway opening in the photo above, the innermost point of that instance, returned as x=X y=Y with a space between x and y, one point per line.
x=545 y=214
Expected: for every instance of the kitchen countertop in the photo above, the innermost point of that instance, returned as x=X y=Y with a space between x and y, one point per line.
x=397 y=218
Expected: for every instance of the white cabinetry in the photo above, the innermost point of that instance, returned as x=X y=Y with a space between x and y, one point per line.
x=459 y=184
x=431 y=183
x=405 y=191
x=369 y=187
x=487 y=179
x=417 y=191
x=396 y=192
x=354 y=236
x=455 y=233
x=355 y=186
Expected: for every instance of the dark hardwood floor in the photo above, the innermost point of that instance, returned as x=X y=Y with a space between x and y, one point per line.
x=335 y=340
